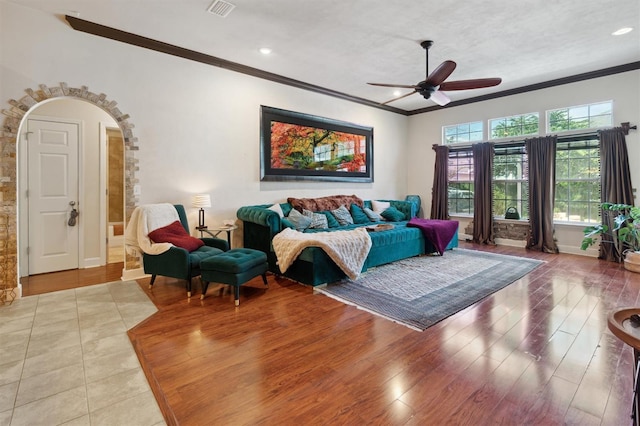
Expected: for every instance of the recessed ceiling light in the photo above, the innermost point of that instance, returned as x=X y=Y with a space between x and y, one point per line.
x=396 y=93
x=622 y=31
x=265 y=50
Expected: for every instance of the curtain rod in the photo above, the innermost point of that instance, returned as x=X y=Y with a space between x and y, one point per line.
x=626 y=127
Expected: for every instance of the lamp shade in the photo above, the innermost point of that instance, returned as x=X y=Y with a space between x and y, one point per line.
x=201 y=200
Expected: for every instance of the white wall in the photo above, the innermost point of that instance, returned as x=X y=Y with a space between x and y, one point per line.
x=197 y=125
x=426 y=130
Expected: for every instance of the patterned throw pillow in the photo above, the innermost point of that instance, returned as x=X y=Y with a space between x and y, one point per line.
x=392 y=214
x=331 y=220
x=300 y=221
x=324 y=203
x=318 y=221
x=342 y=215
x=373 y=216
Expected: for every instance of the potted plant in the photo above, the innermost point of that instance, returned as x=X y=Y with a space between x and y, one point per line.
x=626 y=229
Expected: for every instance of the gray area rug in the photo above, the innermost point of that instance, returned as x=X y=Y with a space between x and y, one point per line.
x=421 y=291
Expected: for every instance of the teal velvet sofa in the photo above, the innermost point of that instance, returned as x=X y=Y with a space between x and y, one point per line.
x=313 y=266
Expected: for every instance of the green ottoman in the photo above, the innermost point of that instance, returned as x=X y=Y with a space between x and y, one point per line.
x=234 y=267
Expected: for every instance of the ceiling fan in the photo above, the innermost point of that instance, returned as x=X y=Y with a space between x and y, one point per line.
x=435 y=83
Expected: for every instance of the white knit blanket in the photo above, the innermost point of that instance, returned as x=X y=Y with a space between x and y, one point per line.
x=145 y=219
x=348 y=249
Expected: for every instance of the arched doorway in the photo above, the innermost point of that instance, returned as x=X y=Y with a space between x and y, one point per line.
x=9 y=276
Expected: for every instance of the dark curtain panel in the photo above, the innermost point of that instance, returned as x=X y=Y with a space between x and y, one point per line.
x=615 y=185
x=439 y=192
x=482 y=193
x=541 y=153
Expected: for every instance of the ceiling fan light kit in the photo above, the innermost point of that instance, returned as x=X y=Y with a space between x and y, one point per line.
x=434 y=85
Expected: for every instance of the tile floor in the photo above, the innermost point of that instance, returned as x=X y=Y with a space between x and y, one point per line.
x=65 y=358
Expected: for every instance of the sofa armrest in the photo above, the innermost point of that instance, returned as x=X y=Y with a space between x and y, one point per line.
x=261 y=215
x=406 y=207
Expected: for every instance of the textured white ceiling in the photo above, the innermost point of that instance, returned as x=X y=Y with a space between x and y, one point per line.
x=343 y=44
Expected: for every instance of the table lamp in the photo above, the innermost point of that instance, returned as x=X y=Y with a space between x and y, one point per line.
x=201 y=201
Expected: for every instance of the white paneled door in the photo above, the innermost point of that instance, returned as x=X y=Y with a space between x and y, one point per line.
x=52 y=195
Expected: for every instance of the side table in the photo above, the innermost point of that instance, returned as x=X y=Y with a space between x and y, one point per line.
x=216 y=230
x=620 y=325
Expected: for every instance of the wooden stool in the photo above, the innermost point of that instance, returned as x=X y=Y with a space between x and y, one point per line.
x=234 y=267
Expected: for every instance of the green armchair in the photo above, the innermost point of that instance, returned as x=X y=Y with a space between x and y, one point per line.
x=178 y=262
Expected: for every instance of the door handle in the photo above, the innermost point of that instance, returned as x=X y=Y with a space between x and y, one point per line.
x=73 y=216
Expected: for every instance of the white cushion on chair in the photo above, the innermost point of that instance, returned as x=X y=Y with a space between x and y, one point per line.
x=145 y=219
x=160 y=215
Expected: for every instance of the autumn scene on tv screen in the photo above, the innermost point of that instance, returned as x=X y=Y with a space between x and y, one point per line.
x=309 y=148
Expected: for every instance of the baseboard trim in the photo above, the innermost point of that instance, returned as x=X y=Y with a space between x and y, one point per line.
x=133 y=274
x=92 y=262
x=577 y=251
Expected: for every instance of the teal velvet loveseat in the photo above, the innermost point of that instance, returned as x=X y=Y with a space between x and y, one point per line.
x=313 y=266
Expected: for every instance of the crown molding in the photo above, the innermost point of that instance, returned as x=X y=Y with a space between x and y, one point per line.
x=170 y=49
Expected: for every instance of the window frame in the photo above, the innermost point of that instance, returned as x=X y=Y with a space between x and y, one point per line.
x=589 y=141
x=469 y=184
x=469 y=140
x=522 y=181
x=522 y=117
x=589 y=118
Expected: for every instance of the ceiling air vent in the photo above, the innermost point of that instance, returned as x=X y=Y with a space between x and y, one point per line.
x=221 y=8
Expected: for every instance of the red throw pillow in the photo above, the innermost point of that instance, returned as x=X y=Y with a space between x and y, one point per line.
x=176 y=235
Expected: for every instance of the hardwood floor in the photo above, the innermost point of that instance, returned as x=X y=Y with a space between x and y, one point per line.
x=536 y=352
x=45 y=283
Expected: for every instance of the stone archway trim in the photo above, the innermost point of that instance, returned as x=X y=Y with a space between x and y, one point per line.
x=8 y=170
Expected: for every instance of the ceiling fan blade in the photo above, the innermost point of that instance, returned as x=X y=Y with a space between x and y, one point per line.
x=399 y=97
x=477 y=83
x=402 y=86
x=439 y=98
x=441 y=73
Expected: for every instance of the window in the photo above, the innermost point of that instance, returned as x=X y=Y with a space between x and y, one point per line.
x=590 y=116
x=510 y=181
x=577 y=196
x=461 y=133
x=516 y=125
x=460 y=188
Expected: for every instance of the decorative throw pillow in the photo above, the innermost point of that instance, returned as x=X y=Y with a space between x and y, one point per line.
x=342 y=215
x=331 y=220
x=318 y=221
x=324 y=203
x=373 y=216
x=358 y=215
x=175 y=234
x=379 y=206
x=300 y=221
x=287 y=224
x=392 y=214
x=278 y=209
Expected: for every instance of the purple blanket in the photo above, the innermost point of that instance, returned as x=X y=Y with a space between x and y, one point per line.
x=439 y=232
